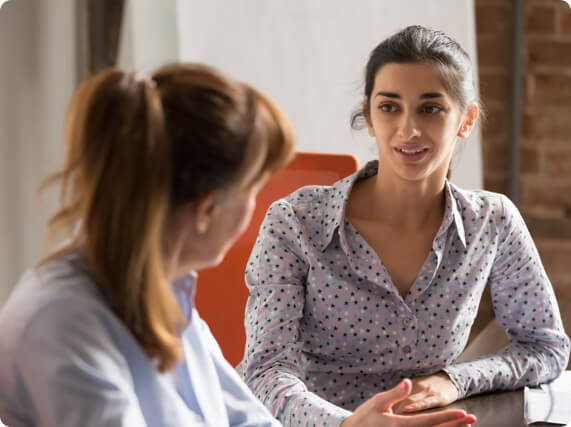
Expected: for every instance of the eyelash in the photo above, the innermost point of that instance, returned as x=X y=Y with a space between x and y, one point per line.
x=393 y=108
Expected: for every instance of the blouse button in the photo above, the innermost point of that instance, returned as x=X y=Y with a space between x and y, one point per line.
x=407 y=321
x=406 y=349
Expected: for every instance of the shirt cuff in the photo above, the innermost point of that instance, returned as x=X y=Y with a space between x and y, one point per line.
x=459 y=381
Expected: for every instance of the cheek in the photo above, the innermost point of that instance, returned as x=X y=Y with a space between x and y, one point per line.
x=381 y=127
x=244 y=215
x=443 y=131
x=248 y=211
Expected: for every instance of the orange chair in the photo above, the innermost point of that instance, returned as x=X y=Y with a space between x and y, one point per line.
x=221 y=295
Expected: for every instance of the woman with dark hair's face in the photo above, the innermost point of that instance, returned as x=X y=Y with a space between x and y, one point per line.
x=415 y=122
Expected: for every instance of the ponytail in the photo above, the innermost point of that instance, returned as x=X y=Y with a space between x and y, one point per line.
x=116 y=140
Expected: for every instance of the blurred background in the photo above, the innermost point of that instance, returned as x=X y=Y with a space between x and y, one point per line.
x=307 y=55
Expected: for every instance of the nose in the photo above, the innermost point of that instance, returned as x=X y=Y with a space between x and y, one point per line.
x=408 y=128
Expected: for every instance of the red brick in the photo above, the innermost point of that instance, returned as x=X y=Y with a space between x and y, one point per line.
x=506 y=3
x=529 y=160
x=551 y=89
x=527 y=129
x=494 y=51
x=497 y=183
x=546 y=193
x=547 y=123
x=494 y=87
x=558 y=163
x=496 y=123
x=541 y=3
x=555 y=53
x=555 y=255
x=565 y=15
x=540 y=20
x=495 y=158
x=493 y=19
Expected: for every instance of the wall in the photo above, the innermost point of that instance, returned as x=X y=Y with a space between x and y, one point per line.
x=37 y=76
x=546 y=125
x=309 y=57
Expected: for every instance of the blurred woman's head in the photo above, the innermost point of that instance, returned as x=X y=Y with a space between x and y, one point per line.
x=160 y=177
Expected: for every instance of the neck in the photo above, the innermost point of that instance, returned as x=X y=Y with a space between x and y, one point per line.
x=175 y=237
x=409 y=205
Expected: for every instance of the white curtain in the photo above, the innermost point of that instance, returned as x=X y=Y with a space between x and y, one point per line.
x=37 y=77
x=309 y=56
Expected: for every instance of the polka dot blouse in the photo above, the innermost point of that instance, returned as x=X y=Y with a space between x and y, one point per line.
x=326 y=328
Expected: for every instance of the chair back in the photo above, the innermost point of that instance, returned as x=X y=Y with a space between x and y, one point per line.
x=221 y=294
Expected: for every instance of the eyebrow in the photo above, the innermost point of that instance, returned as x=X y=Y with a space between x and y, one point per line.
x=423 y=96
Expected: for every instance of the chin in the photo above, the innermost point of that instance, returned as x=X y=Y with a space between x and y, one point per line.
x=218 y=260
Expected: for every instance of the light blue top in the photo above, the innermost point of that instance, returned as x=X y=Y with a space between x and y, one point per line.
x=67 y=360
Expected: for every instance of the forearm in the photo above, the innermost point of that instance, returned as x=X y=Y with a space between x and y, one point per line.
x=292 y=403
x=516 y=366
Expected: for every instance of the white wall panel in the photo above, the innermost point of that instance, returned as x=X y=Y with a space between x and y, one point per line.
x=309 y=56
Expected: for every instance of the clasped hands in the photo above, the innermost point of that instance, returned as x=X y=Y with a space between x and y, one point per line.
x=386 y=409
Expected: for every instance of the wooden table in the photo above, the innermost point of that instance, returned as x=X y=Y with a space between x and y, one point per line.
x=501 y=409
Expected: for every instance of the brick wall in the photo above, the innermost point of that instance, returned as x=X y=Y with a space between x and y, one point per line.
x=545 y=198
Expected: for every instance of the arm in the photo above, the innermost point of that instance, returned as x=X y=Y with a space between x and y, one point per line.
x=525 y=306
x=275 y=276
x=242 y=407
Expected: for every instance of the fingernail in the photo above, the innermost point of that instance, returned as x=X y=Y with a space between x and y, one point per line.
x=460 y=416
x=403 y=385
x=408 y=408
x=471 y=419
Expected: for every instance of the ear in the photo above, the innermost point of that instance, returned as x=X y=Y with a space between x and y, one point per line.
x=469 y=121
x=204 y=210
x=368 y=119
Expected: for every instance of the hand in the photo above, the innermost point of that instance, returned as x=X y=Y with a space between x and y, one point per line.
x=432 y=391
x=377 y=412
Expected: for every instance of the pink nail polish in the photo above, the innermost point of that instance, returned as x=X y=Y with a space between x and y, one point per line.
x=471 y=419
x=408 y=408
x=460 y=416
x=403 y=385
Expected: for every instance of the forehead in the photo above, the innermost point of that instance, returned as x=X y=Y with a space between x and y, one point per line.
x=408 y=79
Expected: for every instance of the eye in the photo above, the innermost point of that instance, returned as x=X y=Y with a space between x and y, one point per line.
x=432 y=109
x=388 y=108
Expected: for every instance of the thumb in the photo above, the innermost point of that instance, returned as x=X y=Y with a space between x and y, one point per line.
x=385 y=401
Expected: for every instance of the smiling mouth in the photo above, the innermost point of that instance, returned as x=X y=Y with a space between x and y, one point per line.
x=411 y=151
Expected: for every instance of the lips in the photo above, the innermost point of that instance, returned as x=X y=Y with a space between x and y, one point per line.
x=411 y=150
x=411 y=153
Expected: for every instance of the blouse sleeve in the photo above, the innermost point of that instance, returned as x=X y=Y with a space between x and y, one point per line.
x=242 y=407
x=525 y=306
x=275 y=276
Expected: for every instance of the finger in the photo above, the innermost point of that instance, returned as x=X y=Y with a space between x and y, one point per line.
x=451 y=418
x=385 y=401
x=425 y=403
x=410 y=401
x=460 y=422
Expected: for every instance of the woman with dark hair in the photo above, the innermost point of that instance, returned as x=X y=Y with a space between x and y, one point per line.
x=161 y=177
x=379 y=277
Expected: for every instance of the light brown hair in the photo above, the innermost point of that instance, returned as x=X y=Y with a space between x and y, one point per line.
x=137 y=148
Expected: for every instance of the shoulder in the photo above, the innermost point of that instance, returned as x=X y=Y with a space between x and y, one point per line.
x=299 y=206
x=482 y=204
x=55 y=303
